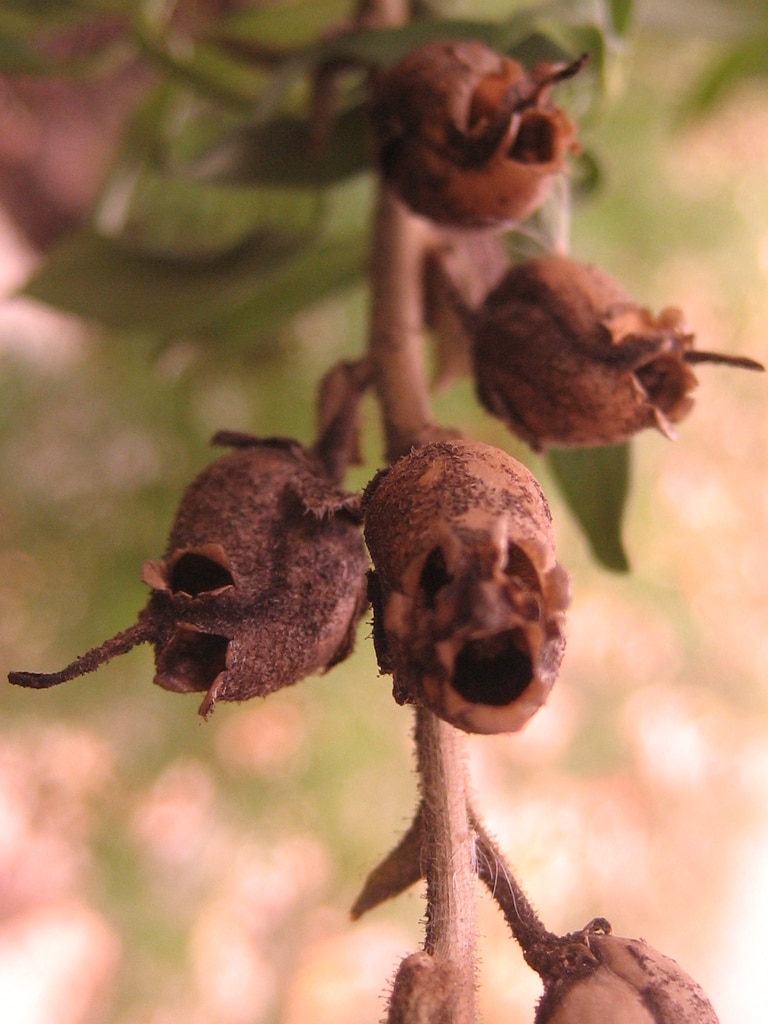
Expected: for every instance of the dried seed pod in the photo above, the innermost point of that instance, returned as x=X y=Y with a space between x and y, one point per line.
x=468 y=599
x=262 y=583
x=565 y=357
x=625 y=981
x=467 y=137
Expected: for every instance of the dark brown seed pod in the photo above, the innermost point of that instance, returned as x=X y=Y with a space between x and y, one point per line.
x=468 y=137
x=468 y=599
x=262 y=583
x=600 y=978
x=566 y=358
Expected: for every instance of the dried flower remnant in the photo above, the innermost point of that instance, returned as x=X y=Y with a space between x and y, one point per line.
x=468 y=599
x=262 y=583
x=566 y=358
x=468 y=137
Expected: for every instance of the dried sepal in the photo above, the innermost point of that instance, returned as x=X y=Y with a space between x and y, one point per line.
x=566 y=358
x=399 y=870
x=338 y=414
x=468 y=137
x=262 y=582
x=468 y=599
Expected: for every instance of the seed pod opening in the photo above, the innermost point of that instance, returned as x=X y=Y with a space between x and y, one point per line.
x=468 y=599
x=263 y=581
x=467 y=136
x=565 y=357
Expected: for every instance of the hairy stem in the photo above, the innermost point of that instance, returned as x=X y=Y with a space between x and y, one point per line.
x=448 y=857
x=400 y=246
x=524 y=923
x=402 y=242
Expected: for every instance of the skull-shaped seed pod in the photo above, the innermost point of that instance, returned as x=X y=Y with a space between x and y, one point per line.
x=468 y=599
x=619 y=981
x=263 y=581
x=467 y=137
x=565 y=357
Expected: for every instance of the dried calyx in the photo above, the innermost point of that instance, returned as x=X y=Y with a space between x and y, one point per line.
x=467 y=136
x=468 y=599
x=565 y=357
x=262 y=583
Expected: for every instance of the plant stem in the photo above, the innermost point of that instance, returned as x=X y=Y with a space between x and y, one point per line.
x=524 y=923
x=449 y=858
x=401 y=242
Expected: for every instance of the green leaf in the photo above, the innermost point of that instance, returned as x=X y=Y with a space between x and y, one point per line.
x=621 y=14
x=318 y=273
x=244 y=293
x=94 y=278
x=595 y=484
x=288 y=25
x=384 y=47
x=155 y=214
x=208 y=68
x=280 y=152
x=748 y=60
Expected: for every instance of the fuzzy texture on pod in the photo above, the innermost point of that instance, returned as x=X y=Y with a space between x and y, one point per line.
x=262 y=583
x=467 y=137
x=468 y=599
x=566 y=358
x=622 y=981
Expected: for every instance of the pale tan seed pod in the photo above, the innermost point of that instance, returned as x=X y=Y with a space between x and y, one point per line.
x=468 y=598
x=468 y=137
x=630 y=983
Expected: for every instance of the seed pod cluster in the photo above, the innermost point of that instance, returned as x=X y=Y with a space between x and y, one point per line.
x=565 y=357
x=468 y=599
x=467 y=137
x=621 y=980
x=262 y=583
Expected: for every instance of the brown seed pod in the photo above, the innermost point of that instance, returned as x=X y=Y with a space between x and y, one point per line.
x=468 y=599
x=467 y=137
x=600 y=978
x=565 y=357
x=262 y=583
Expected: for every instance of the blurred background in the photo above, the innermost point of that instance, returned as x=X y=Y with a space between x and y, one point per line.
x=154 y=868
